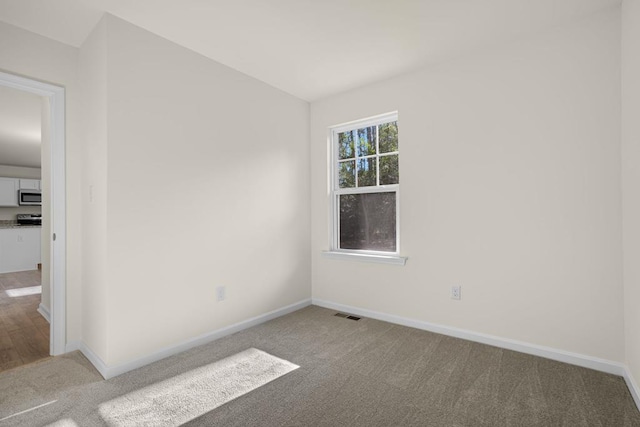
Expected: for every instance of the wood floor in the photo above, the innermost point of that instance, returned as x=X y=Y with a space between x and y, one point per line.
x=24 y=333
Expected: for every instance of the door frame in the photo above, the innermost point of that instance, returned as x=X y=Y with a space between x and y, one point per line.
x=58 y=238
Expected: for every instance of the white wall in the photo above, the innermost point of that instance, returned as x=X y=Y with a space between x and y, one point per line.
x=631 y=179
x=206 y=185
x=93 y=84
x=510 y=187
x=18 y=172
x=30 y=55
x=510 y=172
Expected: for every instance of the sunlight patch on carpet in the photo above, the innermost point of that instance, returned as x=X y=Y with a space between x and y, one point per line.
x=28 y=410
x=187 y=396
x=21 y=292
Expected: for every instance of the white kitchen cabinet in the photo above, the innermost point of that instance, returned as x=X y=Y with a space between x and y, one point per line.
x=8 y=192
x=29 y=184
x=19 y=249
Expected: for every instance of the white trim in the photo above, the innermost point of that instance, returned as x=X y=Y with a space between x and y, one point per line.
x=633 y=386
x=95 y=360
x=361 y=257
x=363 y=123
x=56 y=96
x=44 y=311
x=546 y=352
x=58 y=224
x=393 y=188
x=112 y=371
x=590 y=362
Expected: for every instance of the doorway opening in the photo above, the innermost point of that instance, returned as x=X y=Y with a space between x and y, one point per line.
x=55 y=104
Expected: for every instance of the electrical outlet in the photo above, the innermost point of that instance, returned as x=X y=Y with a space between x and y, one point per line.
x=456 y=292
x=221 y=293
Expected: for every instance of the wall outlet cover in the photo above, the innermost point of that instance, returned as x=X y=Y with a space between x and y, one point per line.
x=221 y=293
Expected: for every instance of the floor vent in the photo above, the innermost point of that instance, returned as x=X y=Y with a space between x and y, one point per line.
x=347 y=316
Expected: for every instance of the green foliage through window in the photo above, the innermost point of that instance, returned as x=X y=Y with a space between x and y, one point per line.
x=389 y=170
x=347 y=174
x=368 y=156
x=388 y=137
x=346 y=145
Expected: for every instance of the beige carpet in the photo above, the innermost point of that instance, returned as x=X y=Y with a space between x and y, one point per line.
x=182 y=398
x=355 y=373
x=41 y=383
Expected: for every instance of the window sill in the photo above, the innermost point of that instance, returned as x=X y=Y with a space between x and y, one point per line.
x=377 y=259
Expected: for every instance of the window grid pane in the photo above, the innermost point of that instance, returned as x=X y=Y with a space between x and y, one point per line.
x=346 y=145
x=367 y=172
x=388 y=170
x=388 y=137
x=366 y=141
x=347 y=174
x=370 y=142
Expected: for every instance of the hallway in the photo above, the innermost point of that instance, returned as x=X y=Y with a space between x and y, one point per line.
x=24 y=333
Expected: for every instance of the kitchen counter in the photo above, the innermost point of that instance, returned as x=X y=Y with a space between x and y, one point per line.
x=11 y=224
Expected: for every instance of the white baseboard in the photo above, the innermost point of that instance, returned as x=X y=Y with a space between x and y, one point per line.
x=72 y=346
x=633 y=386
x=602 y=365
x=44 y=311
x=89 y=354
x=536 y=350
x=113 y=371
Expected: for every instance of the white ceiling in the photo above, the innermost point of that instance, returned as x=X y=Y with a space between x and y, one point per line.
x=310 y=48
x=20 y=131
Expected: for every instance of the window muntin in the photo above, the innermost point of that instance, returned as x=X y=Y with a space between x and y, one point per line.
x=365 y=185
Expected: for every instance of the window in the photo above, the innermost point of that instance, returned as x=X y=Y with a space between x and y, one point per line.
x=365 y=185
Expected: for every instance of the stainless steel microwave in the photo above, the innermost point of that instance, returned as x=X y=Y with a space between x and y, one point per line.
x=29 y=198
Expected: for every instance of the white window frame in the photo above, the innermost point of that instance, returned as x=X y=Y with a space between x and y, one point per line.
x=335 y=192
